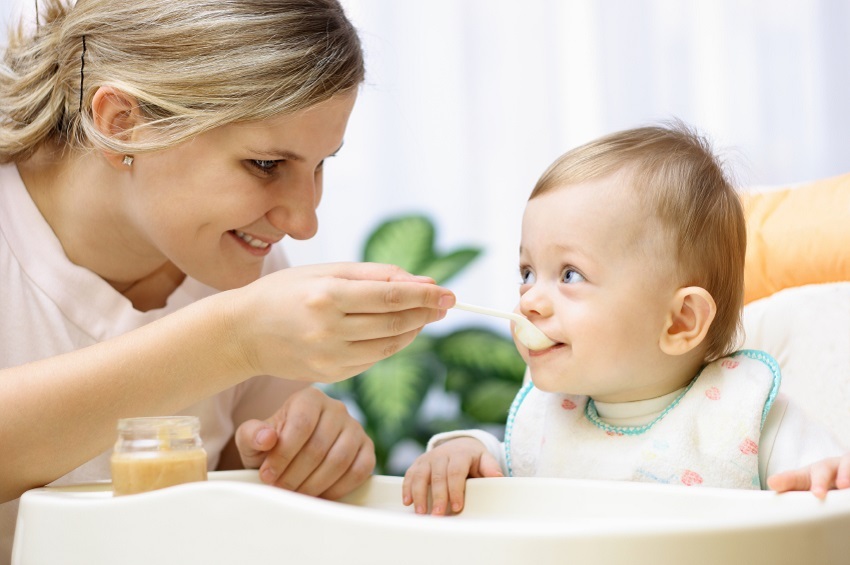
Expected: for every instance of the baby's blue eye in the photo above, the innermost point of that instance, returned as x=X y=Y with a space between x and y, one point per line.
x=526 y=276
x=571 y=276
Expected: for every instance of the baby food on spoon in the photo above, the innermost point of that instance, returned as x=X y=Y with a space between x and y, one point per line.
x=527 y=333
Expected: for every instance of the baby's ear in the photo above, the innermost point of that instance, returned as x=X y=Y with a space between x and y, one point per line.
x=691 y=312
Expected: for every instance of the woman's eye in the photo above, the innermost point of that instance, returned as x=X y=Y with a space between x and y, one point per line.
x=526 y=276
x=264 y=165
x=571 y=276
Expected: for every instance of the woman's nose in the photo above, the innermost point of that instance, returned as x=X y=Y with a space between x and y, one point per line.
x=294 y=211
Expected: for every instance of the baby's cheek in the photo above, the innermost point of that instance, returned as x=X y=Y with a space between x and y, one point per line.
x=544 y=382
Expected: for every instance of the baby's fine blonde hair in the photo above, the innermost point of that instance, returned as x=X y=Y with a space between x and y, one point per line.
x=676 y=174
x=192 y=65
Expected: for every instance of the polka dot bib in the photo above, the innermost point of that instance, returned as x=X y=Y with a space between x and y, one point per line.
x=707 y=436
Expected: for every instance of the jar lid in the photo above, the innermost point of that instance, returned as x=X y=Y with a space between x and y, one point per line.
x=161 y=427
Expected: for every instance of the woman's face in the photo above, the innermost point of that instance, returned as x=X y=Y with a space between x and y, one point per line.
x=214 y=206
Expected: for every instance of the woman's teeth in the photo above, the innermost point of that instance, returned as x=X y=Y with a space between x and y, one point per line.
x=250 y=240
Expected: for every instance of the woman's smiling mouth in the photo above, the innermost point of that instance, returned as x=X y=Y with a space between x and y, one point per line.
x=255 y=245
x=252 y=241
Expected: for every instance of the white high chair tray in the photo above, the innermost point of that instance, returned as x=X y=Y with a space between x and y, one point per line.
x=233 y=518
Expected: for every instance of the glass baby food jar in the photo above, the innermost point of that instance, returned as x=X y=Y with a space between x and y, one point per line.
x=159 y=452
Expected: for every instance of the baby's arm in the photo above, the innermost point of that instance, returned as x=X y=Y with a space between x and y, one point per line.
x=820 y=477
x=444 y=469
x=799 y=453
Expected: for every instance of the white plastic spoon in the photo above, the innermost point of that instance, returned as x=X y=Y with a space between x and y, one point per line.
x=525 y=331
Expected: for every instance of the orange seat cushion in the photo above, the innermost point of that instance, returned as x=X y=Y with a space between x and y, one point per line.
x=797 y=236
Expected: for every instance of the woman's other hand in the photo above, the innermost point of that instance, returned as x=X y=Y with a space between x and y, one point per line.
x=311 y=445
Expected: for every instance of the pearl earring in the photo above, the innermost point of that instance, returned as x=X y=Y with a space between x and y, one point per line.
x=128 y=160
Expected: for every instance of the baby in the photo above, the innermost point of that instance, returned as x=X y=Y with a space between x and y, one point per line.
x=632 y=261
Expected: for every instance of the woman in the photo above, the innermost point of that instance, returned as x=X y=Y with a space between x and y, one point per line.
x=156 y=152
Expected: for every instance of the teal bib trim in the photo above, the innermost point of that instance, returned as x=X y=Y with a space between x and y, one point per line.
x=592 y=415
x=773 y=365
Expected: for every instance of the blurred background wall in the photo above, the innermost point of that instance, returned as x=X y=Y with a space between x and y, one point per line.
x=467 y=101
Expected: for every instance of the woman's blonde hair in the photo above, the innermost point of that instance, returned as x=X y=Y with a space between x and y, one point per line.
x=192 y=65
x=676 y=174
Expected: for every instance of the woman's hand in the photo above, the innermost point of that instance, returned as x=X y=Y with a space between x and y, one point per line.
x=310 y=445
x=326 y=323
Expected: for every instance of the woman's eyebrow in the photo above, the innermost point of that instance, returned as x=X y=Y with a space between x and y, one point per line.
x=286 y=154
x=277 y=154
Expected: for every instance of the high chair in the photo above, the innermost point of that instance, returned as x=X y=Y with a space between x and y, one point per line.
x=803 y=322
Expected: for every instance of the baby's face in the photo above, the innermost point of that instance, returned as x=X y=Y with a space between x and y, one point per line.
x=597 y=276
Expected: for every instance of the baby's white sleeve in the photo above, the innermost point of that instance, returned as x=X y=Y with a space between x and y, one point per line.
x=792 y=440
x=495 y=447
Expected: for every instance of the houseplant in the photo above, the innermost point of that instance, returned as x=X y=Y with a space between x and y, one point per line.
x=475 y=369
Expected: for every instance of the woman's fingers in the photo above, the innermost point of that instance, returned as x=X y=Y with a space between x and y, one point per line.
x=370 y=271
x=321 y=450
x=318 y=322
x=310 y=456
x=376 y=297
x=339 y=470
x=295 y=424
x=254 y=439
x=358 y=472
x=365 y=327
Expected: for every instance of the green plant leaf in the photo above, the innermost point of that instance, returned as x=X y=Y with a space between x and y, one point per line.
x=482 y=352
x=391 y=392
x=443 y=268
x=407 y=241
x=459 y=379
x=490 y=402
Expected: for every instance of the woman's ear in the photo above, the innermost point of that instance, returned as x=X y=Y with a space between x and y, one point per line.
x=115 y=114
x=691 y=312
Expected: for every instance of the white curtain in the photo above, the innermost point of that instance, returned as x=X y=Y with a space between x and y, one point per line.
x=467 y=101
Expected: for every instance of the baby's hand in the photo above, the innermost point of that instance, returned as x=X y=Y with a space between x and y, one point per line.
x=445 y=469
x=832 y=473
x=310 y=445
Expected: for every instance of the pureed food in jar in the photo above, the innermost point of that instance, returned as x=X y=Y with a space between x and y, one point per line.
x=154 y=453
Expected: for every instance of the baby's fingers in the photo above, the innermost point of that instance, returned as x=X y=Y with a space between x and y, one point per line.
x=817 y=478
x=842 y=479
x=790 y=480
x=823 y=477
x=457 y=473
x=417 y=484
x=439 y=487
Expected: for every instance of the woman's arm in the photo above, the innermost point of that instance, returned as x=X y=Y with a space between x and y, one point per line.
x=58 y=413
x=321 y=323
